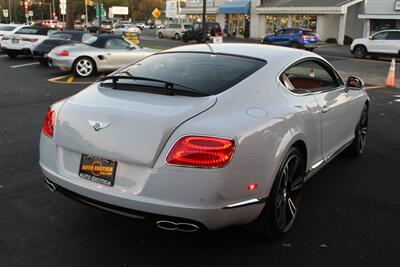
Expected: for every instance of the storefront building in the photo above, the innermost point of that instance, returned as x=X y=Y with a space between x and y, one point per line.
x=194 y=11
x=380 y=15
x=333 y=19
x=237 y=18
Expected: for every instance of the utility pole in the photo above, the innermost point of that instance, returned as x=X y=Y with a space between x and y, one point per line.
x=204 y=21
x=179 y=11
x=9 y=10
x=86 y=16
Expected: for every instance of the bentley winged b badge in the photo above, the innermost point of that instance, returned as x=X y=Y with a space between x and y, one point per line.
x=98 y=125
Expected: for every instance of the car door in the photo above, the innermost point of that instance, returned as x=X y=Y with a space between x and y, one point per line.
x=377 y=42
x=277 y=37
x=119 y=52
x=339 y=110
x=392 y=43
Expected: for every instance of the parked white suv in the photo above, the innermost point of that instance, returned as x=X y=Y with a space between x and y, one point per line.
x=174 y=30
x=24 y=40
x=383 y=43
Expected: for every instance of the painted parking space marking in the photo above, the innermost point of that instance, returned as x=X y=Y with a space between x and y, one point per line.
x=67 y=79
x=375 y=87
x=25 y=65
x=3 y=56
x=357 y=59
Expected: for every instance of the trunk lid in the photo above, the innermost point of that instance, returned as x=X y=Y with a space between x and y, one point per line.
x=136 y=125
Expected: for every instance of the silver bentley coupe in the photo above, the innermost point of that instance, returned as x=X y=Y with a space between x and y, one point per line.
x=99 y=53
x=205 y=136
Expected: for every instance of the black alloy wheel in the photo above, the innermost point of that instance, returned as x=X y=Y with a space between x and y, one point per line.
x=281 y=209
x=360 y=135
x=360 y=51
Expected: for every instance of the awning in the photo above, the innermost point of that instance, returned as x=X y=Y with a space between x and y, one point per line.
x=235 y=7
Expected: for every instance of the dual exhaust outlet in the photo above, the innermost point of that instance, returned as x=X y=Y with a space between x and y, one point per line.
x=180 y=227
x=163 y=224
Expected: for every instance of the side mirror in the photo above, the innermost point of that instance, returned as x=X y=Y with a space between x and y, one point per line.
x=355 y=82
x=371 y=38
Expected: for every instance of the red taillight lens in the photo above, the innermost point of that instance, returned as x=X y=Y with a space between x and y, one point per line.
x=305 y=37
x=63 y=53
x=48 y=124
x=201 y=151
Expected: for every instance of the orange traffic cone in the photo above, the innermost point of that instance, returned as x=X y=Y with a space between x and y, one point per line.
x=391 y=78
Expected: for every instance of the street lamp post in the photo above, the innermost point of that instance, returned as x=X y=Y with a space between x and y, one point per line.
x=9 y=10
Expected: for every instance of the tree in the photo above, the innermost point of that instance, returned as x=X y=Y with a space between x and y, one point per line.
x=142 y=8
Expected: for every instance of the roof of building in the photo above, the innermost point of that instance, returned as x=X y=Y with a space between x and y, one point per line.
x=305 y=3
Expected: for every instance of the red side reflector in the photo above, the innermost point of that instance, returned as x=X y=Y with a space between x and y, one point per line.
x=48 y=124
x=63 y=53
x=201 y=151
x=251 y=187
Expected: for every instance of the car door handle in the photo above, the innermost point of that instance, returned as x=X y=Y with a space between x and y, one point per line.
x=325 y=109
x=108 y=54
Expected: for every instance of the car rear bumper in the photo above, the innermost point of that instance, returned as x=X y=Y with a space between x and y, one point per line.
x=24 y=51
x=142 y=207
x=64 y=64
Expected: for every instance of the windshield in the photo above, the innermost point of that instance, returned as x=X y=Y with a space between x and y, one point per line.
x=207 y=73
x=91 y=40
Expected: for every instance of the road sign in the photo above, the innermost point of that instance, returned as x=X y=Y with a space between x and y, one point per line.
x=171 y=10
x=5 y=13
x=63 y=7
x=132 y=37
x=156 y=13
x=30 y=13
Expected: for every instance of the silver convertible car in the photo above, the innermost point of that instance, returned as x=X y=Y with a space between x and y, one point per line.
x=205 y=136
x=99 y=53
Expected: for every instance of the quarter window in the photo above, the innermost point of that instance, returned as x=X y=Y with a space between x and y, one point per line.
x=309 y=76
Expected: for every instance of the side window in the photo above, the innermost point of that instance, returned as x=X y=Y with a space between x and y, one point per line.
x=116 y=44
x=309 y=76
x=280 y=32
x=381 y=36
x=394 y=36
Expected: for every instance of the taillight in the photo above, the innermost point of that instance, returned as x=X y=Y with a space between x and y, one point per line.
x=63 y=53
x=48 y=124
x=201 y=151
x=305 y=37
x=30 y=39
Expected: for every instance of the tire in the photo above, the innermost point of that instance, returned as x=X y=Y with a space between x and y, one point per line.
x=357 y=146
x=43 y=62
x=283 y=203
x=12 y=55
x=84 y=67
x=160 y=35
x=360 y=51
x=295 y=45
x=200 y=38
x=177 y=36
x=185 y=38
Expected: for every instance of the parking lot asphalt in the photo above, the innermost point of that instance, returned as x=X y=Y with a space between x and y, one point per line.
x=349 y=215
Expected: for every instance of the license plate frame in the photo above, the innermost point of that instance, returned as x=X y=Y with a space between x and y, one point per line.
x=98 y=170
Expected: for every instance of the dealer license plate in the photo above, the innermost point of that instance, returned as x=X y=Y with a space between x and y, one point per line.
x=97 y=170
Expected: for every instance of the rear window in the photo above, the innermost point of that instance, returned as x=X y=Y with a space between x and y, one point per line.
x=208 y=73
x=7 y=28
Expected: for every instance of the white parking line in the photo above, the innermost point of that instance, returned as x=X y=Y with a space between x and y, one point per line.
x=3 y=56
x=25 y=65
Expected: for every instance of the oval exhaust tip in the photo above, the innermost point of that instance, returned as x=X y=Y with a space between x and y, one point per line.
x=50 y=186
